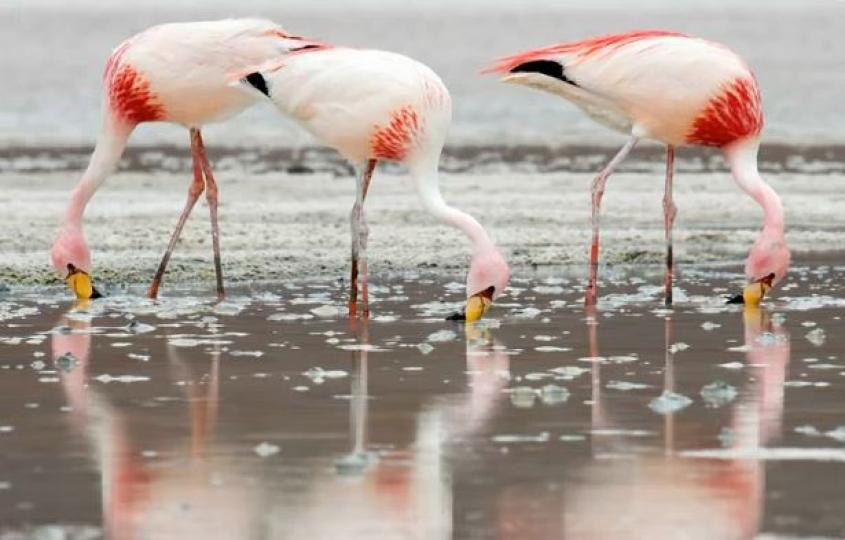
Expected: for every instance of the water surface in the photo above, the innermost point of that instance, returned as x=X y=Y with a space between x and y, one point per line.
x=269 y=416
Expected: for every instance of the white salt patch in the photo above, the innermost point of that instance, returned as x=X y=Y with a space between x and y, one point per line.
x=669 y=402
x=569 y=372
x=622 y=432
x=571 y=438
x=549 y=348
x=442 y=336
x=508 y=439
x=523 y=397
x=361 y=347
x=625 y=385
x=327 y=311
x=412 y=368
x=527 y=313
x=266 y=449
x=708 y=326
x=7 y=429
x=718 y=393
x=290 y=317
x=300 y=389
x=140 y=357
x=741 y=348
x=253 y=354
x=817 y=337
x=732 y=365
x=425 y=348
x=678 y=347
x=769 y=454
x=544 y=338
x=552 y=394
x=837 y=434
x=808 y=430
x=105 y=378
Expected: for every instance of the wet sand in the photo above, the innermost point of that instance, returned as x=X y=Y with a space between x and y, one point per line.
x=284 y=214
x=268 y=416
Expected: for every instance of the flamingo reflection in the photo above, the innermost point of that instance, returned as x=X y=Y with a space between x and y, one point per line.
x=668 y=496
x=140 y=498
x=405 y=492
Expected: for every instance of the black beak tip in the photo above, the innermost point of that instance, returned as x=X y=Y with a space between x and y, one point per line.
x=457 y=316
x=738 y=299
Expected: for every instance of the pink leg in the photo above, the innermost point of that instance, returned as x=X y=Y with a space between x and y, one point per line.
x=360 y=234
x=597 y=192
x=669 y=212
x=211 y=197
x=194 y=192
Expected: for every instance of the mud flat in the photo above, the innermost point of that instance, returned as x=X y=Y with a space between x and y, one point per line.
x=284 y=213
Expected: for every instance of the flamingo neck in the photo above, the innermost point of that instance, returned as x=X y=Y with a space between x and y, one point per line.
x=427 y=181
x=110 y=145
x=742 y=158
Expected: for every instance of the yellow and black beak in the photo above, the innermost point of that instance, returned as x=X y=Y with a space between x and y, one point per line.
x=754 y=292
x=80 y=283
x=477 y=305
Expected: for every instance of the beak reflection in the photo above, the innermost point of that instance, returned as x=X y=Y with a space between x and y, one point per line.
x=476 y=306
x=754 y=292
x=80 y=283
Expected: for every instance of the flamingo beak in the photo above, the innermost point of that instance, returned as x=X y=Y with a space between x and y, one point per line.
x=80 y=283
x=754 y=292
x=476 y=306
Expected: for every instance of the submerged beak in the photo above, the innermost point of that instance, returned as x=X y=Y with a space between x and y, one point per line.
x=477 y=305
x=754 y=292
x=80 y=283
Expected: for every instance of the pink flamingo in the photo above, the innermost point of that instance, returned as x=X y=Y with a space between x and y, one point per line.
x=176 y=73
x=374 y=105
x=676 y=89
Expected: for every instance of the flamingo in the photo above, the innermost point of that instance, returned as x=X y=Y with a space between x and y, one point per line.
x=372 y=105
x=177 y=73
x=678 y=90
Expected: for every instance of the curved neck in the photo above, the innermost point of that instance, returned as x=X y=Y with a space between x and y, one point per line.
x=428 y=186
x=742 y=158
x=110 y=145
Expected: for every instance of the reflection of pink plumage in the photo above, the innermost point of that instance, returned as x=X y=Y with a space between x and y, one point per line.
x=177 y=73
x=672 y=88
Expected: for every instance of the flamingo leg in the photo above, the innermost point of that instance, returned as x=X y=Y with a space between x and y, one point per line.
x=360 y=235
x=597 y=193
x=194 y=192
x=211 y=197
x=669 y=213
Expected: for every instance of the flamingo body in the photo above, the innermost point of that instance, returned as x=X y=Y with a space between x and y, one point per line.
x=179 y=72
x=671 y=87
x=374 y=105
x=367 y=104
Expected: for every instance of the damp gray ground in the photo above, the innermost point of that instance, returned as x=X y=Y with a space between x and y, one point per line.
x=271 y=416
x=289 y=225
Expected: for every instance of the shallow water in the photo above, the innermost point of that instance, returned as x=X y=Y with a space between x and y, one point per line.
x=271 y=416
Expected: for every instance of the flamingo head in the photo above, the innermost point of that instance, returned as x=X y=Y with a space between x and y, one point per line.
x=487 y=279
x=72 y=260
x=766 y=266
